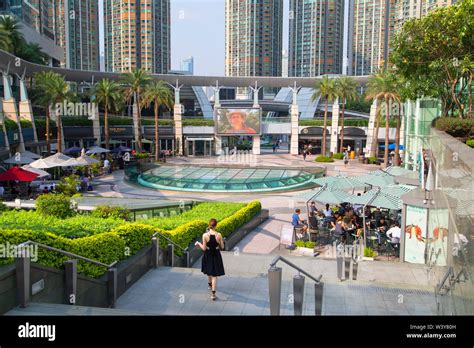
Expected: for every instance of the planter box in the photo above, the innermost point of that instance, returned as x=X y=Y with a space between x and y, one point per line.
x=304 y=251
x=365 y=258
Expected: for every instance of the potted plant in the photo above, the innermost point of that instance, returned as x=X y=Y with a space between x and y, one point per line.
x=369 y=254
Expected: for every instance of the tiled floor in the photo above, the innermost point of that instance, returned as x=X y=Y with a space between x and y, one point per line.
x=243 y=295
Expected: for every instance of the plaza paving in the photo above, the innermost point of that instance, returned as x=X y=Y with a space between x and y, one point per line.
x=265 y=239
x=381 y=289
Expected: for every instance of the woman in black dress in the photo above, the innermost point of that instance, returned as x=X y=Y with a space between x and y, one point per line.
x=212 y=264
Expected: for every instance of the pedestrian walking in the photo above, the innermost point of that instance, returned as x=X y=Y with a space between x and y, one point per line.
x=212 y=265
x=304 y=155
x=346 y=159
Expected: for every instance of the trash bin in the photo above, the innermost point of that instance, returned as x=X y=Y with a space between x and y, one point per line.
x=353 y=154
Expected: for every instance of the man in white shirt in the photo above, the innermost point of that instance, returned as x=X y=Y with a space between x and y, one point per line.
x=106 y=166
x=394 y=233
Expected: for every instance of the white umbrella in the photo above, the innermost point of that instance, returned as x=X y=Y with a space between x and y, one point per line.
x=19 y=159
x=56 y=160
x=41 y=173
x=96 y=149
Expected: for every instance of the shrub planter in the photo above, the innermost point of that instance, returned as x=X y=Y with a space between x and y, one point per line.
x=365 y=258
x=233 y=239
x=304 y=251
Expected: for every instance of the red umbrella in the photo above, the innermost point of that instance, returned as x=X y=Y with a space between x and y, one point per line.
x=18 y=174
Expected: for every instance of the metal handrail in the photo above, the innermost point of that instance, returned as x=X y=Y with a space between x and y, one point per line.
x=169 y=240
x=281 y=258
x=66 y=253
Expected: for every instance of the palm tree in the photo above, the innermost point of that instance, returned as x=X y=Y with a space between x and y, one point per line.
x=157 y=93
x=326 y=88
x=383 y=86
x=11 y=27
x=108 y=94
x=32 y=52
x=346 y=89
x=53 y=89
x=5 y=40
x=135 y=81
x=44 y=98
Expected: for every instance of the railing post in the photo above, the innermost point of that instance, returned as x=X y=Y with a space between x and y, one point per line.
x=355 y=265
x=171 y=254
x=347 y=264
x=112 y=286
x=318 y=298
x=274 y=288
x=155 y=251
x=298 y=294
x=70 y=272
x=23 y=280
x=340 y=260
x=186 y=255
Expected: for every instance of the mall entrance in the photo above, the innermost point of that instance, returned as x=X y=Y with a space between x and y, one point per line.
x=199 y=147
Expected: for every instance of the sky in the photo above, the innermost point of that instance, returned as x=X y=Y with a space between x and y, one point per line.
x=198 y=30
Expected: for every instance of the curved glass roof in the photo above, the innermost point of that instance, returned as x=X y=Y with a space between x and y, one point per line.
x=212 y=179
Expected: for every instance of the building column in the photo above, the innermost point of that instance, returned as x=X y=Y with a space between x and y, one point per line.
x=178 y=128
x=10 y=109
x=96 y=122
x=334 y=126
x=294 y=115
x=369 y=148
x=407 y=140
x=4 y=129
x=25 y=108
x=295 y=129
x=217 y=104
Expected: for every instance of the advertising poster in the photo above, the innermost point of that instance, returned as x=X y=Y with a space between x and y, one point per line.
x=437 y=242
x=415 y=234
x=238 y=121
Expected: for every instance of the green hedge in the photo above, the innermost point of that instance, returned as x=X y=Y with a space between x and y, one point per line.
x=74 y=227
x=203 y=211
x=231 y=223
x=470 y=142
x=55 y=205
x=338 y=156
x=456 y=127
x=105 y=248
x=323 y=159
x=123 y=241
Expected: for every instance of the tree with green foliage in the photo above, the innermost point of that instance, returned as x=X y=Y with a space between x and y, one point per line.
x=108 y=94
x=383 y=87
x=13 y=41
x=325 y=87
x=159 y=94
x=134 y=83
x=435 y=55
x=45 y=99
x=346 y=89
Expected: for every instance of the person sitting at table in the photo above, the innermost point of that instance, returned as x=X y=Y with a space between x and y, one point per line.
x=328 y=215
x=312 y=208
x=313 y=222
x=394 y=233
x=45 y=189
x=381 y=224
x=338 y=227
x=299 y=223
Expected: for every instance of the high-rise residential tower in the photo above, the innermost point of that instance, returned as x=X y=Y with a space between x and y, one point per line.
x=76 y=23
x=371 y=29
x=137 y=35
x=253 y=37
x=316 y=37
x=188 y=65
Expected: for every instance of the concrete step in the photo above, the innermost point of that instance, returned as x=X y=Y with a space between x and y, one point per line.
x=36 y=308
